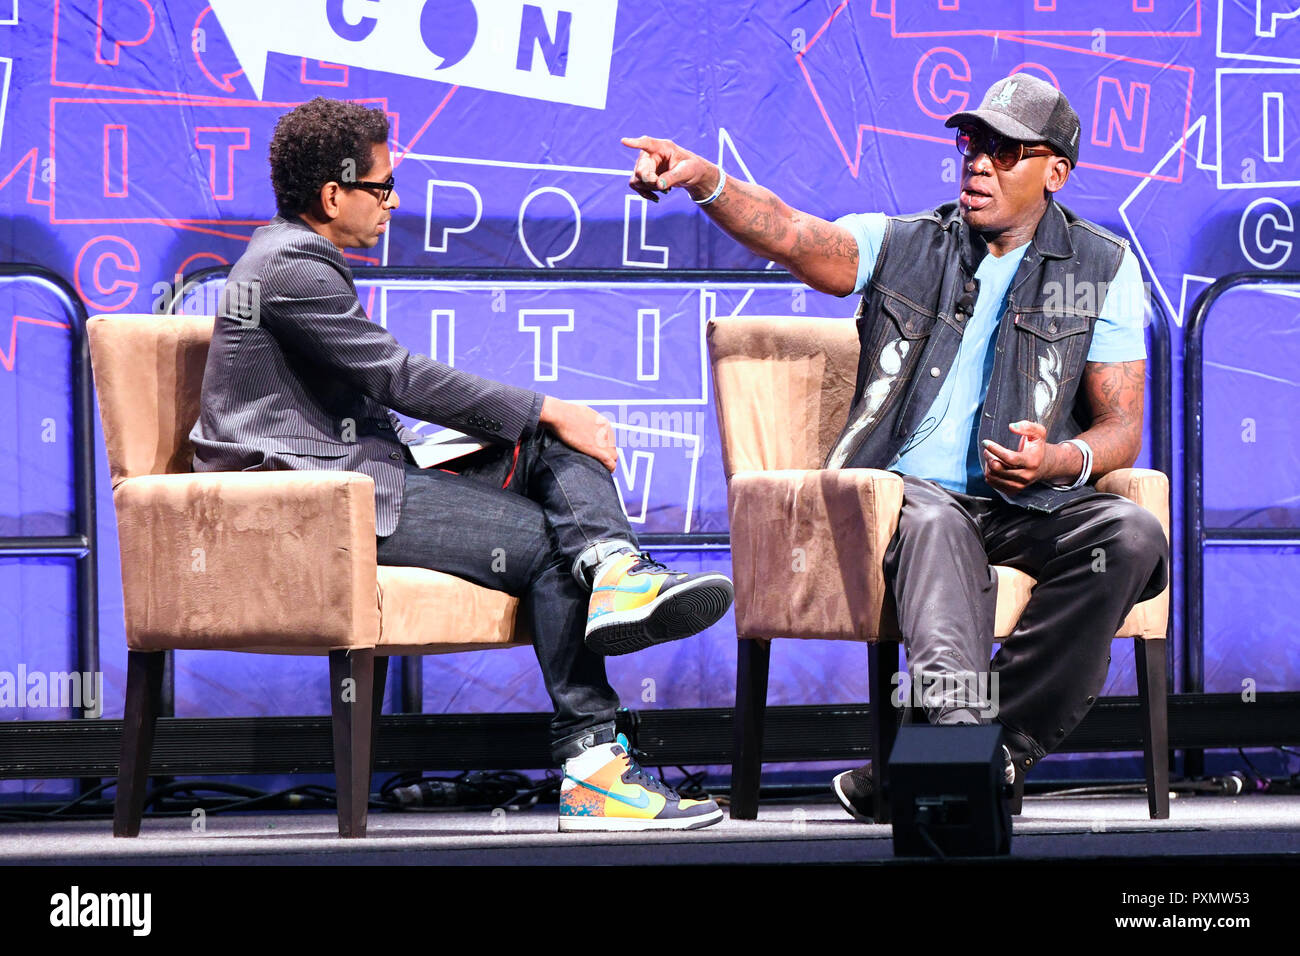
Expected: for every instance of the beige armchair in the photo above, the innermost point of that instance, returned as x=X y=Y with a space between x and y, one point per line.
x=273 y=562
x=808 y=544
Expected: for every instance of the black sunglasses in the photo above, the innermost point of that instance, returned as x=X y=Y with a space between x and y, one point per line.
x=1004 y=152
x=385 y=189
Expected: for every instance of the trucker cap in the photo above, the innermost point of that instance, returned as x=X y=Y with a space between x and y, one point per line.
x=1028 y=109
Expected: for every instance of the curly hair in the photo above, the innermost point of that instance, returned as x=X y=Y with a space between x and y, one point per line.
x=312 y=145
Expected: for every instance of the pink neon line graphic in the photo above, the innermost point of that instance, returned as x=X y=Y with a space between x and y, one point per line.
x=33 y=155
x=325 y=67
x=885 y=10
x=223 y=83
x=118 y=44
x=1126 y=105
x=7 y=359
x=111 y=140
x=853 y=160
x=239 y=143
x=54 y=218
x=427 y=123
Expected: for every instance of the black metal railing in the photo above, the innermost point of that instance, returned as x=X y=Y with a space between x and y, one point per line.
x=1161 y=371
x=81 y=544
x=1195 y=531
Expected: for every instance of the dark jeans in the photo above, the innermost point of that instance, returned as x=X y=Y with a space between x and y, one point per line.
x=523 y=539
x=1093 y=559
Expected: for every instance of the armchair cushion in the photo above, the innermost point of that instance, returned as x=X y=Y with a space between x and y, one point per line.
x=430 y=612
x=280 y=561
x=1150 y=489
x=808 y=552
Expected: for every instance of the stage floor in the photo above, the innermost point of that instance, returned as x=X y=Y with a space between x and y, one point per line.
x=1051 y=828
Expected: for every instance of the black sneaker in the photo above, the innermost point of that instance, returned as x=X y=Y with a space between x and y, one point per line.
x=856 y=793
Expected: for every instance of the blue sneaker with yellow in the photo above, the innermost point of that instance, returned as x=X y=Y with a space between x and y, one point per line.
x=604 y=789
x=636 y=602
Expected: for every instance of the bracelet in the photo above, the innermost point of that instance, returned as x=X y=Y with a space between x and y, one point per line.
x=722 y=181
x=1086 y=472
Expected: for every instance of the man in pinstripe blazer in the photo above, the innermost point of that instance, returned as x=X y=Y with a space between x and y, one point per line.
x=298 y=377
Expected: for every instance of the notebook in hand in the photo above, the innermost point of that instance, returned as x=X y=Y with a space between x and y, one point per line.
x=444 y=446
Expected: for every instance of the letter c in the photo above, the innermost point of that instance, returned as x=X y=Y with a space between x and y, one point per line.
x=355 y=32
x=958 y=71
x=1279 y=250
x=124 y=287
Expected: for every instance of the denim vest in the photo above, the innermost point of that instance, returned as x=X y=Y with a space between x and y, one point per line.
x=916 y=306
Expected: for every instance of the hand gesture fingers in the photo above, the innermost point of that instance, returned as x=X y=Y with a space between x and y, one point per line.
x=660 y=165
x=646 y=171
x=1002 y=476
x=1016 y=470
x=641 y=189
x=1002 y=454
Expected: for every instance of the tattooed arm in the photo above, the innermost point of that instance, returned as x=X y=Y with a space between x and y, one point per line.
x=1115 y=392
x=817 y=252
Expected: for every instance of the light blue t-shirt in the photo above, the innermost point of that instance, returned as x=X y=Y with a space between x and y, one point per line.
x=945 y=447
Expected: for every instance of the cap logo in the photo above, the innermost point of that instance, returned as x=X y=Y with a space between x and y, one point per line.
x=1003 y=97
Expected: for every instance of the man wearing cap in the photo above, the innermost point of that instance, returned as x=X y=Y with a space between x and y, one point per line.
x=1001 y=374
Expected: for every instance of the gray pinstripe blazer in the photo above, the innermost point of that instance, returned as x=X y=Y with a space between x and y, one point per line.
x=305 y=380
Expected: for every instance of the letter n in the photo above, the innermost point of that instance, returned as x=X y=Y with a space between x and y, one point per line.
x=1110 y=103
x=533 y=31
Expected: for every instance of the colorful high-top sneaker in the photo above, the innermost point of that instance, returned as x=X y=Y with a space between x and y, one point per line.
x=637 y=602
x=604 y=789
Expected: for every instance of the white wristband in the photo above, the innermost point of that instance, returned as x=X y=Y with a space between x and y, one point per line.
x=1086 y=472
x=722 y=181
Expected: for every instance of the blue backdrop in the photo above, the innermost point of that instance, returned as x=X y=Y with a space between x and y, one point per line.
x=133 y=140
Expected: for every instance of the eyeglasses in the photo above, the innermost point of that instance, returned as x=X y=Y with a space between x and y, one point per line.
x=385 y=189
x=1004 y=152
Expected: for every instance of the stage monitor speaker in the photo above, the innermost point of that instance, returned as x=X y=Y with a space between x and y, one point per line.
x=948 y=792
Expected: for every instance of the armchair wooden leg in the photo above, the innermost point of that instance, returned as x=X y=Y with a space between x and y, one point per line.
x=882 y=665
x=352 y=685
x=380 y=682
x=144 y=675
x=1153 y=694
x=752 y=659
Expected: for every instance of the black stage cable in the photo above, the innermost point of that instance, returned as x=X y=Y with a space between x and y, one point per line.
x=534 y=795
x=1263 y=781
x=23 y=812
x=478 y=788
x=299 y=797
x=510 y=790
x=692 y=785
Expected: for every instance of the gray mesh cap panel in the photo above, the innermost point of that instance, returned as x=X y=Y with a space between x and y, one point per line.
x=1028 y=108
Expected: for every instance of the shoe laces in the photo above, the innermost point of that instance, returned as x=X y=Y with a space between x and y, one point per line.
x=646 y=563
x=636 y=774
